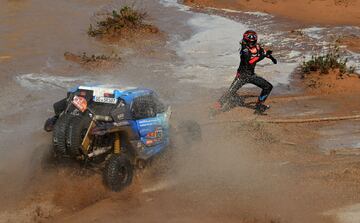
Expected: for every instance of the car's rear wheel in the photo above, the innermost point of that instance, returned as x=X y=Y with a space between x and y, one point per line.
x=60 y=133
x=118 y=172
x=78 y=127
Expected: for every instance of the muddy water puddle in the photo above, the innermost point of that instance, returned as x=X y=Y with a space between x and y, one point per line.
x=303 y=107
x=343 y=137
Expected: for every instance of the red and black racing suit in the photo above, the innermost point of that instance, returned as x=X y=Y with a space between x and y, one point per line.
x=249 y=56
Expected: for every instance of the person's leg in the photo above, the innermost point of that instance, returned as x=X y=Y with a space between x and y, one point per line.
x=265 y=85
x=266 y=90
x=231 y=92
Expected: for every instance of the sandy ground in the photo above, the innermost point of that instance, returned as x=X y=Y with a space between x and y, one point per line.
x=331 y=83
x=245 y=169
x=329 y=12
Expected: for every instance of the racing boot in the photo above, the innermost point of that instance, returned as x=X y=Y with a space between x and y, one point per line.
x=260 y=108
x=50 y=123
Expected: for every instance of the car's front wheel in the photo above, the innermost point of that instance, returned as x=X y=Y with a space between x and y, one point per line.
x=118 y=172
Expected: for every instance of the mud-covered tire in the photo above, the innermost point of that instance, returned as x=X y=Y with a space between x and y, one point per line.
x=60 y=133
x=77 y=129
x=118 y=172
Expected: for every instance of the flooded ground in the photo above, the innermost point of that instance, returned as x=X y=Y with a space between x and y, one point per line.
x=291 y=42
x=224 y=179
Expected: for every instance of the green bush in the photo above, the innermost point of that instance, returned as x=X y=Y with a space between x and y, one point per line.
x=93 y=58
x=324 y=63
x=126 y=17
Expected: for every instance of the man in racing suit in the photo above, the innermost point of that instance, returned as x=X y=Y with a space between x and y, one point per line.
x=250 y=54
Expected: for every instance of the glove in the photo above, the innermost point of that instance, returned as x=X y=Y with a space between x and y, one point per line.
x=262 y=53
x=272 y=59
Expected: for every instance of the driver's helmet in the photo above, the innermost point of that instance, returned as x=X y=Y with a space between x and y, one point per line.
x=250 y=38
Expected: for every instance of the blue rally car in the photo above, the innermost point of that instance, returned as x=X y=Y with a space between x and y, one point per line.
x=121 y=128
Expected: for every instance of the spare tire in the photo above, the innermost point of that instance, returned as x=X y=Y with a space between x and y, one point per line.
x=78 y=127
x=60 y=133
x=118 y=172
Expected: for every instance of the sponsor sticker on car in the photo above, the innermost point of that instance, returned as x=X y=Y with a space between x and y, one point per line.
x=106 y=100
x=80 y=103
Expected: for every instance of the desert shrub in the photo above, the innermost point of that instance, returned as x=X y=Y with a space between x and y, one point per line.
x=116 y=20
x=331 y=60
x=84 y=57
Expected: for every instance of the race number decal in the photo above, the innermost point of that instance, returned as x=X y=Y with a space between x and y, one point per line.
x=80 y=103
x=155 y=137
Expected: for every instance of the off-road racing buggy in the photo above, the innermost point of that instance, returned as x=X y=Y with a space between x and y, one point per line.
x=121 y=128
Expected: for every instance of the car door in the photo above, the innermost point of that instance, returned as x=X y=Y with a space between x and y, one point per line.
x=151 y=123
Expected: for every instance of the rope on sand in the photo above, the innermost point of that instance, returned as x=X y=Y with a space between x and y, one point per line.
x=309 y=120
x=289 y=121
